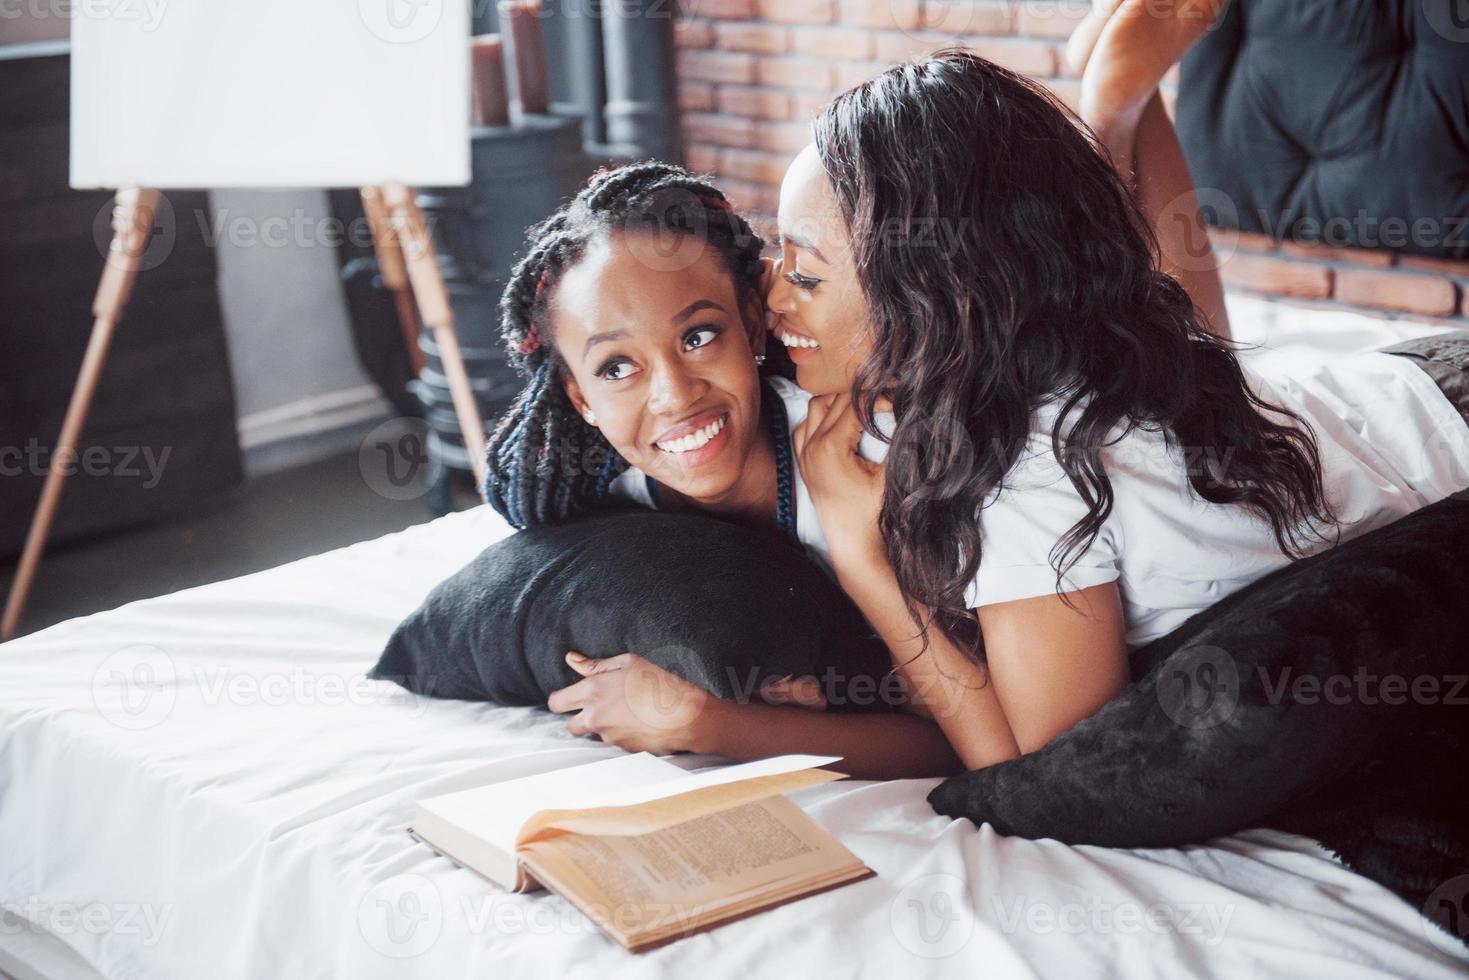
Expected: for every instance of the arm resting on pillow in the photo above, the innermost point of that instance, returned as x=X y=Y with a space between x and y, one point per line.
x=1054 y=664
x=1050 y=664
x=872 y=746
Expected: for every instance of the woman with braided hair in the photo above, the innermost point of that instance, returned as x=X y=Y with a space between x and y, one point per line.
x=637 y=318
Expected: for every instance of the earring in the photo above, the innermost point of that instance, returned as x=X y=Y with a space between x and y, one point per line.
x=759 y=359
x=591 y=417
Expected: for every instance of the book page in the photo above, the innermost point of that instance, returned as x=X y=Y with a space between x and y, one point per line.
x=656 y=814
x=775 y=765
x=675 y=878
x=496 y=812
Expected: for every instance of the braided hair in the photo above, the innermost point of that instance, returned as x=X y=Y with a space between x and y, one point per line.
x=545 y=463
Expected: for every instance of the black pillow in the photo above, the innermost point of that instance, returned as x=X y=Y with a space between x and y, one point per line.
x=1274 y=708
x=721 y=606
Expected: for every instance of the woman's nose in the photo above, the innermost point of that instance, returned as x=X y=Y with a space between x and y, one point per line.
x=674 y=389
x=778 y=295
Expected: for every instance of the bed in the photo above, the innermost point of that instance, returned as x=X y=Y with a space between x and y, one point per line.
x=204 y=784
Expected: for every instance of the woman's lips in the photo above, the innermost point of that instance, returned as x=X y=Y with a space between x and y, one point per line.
x=695 y=444
x=798 y=345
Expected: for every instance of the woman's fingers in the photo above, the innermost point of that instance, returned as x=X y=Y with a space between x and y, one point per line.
x=570 y=698
x=810 y=428
x=840 y=416
x=804 y=692
x=586 y=666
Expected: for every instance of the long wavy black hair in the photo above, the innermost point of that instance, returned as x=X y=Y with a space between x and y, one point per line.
x=1028 y=273
x=545 y=464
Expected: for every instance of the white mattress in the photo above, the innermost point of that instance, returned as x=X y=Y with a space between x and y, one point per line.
x=203 y=785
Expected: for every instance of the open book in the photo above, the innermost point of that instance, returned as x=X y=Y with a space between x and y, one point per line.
x=647 y=850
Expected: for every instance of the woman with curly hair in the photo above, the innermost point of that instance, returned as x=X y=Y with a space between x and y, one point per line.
x=1076 y=461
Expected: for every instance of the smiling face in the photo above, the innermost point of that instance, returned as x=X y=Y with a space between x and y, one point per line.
x=663 y=360
x=823 y=315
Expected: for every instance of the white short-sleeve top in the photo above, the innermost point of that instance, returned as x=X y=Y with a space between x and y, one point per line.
x=1390 y=443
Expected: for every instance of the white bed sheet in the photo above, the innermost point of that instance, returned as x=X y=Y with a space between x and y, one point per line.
x=203 y=784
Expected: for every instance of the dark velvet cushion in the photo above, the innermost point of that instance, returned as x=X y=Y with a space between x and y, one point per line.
x=1344 y=122
x=1328 y=698
x=721 y=606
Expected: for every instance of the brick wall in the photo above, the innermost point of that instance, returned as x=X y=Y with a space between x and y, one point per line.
x=752 y=72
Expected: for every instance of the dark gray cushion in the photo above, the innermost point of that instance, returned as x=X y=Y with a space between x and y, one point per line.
x=1343 y=123
x=721 y=606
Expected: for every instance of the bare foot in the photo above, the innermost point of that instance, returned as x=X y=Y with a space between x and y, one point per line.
x=1123 y=54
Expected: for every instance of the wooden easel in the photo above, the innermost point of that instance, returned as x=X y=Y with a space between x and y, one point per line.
x=406 y=257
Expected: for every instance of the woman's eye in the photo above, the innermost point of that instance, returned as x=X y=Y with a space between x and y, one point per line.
x=801 y=282
x=615 y=370
x=700 y=337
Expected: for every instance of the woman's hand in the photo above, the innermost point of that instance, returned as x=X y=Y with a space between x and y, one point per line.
x=634 y=704
x=845 y=487
x=638 y=706
x=800 y=692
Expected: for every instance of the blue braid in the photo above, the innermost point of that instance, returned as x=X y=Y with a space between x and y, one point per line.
x=612 y=467
x=509 y=451
x=780 y=437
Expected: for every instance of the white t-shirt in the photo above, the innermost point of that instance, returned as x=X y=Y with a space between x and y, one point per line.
x=1390 y=443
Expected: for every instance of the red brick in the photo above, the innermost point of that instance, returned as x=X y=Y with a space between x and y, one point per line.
x=755 y=103
x=716 y=66
x=900 y=15
x=718 y=9
x=1429 y=295
x=1055 y=18
x=1279 y=276
x=832 y=42
x=755 y=166
x=1036 y=58
x=724 y=130
x=1464 y=307
x=693 y=33
x=750 y=198
x=760 y=38
x=954 y=18
x=850 y=75
x=789 y=137
x=696 y=96
x=893 y=46
x=806 y=106
x=1247 y=240
x=1327 y=253
x=797 y=11
x=806 y=73
x=1448 y=267
x=702 y=157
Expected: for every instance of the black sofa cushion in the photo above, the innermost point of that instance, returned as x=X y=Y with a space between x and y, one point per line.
x=1336 y=122
x=721 y=606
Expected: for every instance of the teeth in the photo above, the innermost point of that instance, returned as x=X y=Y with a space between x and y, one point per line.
x=694 y=440
x=791 y=340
